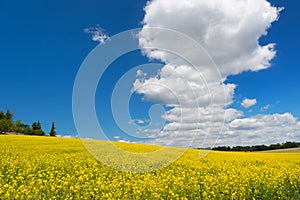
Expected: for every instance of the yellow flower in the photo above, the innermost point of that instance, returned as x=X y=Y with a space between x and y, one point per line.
x=64 y=169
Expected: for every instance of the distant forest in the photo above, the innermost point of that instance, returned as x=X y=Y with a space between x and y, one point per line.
x=9 y=126
x=285 y=145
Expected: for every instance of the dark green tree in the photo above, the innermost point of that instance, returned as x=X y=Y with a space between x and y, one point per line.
x=19 y=127
x=6 y=126
x=9 y=115
x=2 y=115
x=27 y=129
x=52 y=131
x=6 y=122
x=37 y=128
x=36 y=125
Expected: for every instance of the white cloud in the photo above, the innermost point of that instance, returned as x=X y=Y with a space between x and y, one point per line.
x=266 y=107
x=258 y=129
x=262 y=129
x=139 y=121
x=68 y=136
x=181 y=85
x=117 y=137
x=140 y=73
x=125 y=141
x=150 y=133
x=247 y=103
x=197 y=91
x=229 y=30
x=98 y=34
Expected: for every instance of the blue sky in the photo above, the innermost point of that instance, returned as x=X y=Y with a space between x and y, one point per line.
x=42 y=46
x=278 y=85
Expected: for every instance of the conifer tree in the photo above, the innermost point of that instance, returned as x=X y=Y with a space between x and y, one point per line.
x=52 y=131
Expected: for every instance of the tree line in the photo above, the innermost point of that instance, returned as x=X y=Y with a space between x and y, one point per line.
x=8 y=125
x=259 y=147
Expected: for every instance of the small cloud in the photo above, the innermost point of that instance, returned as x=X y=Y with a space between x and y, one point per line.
x=98 y=34
x=68 y=136
x=247 y=103
x=117 y=137
x=140 y=73
x=126 y=141
x=266 y=107
x=138 y=121
x=149 y=132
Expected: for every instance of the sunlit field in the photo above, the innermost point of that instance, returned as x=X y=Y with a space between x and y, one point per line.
x=57 y=168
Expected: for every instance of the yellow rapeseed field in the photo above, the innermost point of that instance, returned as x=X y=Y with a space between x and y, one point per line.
x=57 y=168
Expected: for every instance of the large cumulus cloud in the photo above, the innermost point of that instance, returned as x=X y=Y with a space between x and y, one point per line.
x=199 y=97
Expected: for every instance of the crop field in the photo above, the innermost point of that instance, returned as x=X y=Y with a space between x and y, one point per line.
x=58 y=168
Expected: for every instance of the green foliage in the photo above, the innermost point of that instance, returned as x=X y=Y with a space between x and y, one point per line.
x=6 y=122
x=19 y=127
x=52 y=131
x=9 y=115
x=2 y=115
x=38 y=132
x=259 y=147
x=36 y=125
x=7 y=125
x=27 y=129
x=37 y=128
